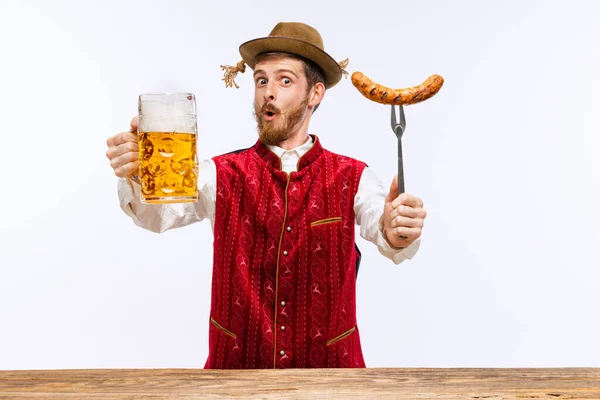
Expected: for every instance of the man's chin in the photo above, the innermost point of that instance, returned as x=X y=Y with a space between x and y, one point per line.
x=268 y=140
x=272 y=138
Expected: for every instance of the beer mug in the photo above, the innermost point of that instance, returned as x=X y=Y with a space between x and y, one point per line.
x=167 y=131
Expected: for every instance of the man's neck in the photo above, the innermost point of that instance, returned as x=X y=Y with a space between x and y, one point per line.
x=299 y=137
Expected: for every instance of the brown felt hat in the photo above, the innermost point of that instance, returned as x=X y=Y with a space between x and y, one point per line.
x=296 y=38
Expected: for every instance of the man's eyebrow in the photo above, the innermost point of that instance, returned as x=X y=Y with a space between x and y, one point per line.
x=289 y=71
x=260 y=71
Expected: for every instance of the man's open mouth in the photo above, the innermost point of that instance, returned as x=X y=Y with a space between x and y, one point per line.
x=269 y=115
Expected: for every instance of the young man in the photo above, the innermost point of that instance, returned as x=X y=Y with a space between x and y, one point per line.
x=283 y=215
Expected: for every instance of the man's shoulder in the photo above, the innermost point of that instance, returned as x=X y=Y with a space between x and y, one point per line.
x=233 y=154
x=341 y=158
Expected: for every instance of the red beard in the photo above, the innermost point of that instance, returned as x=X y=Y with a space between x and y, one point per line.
x=275 y=131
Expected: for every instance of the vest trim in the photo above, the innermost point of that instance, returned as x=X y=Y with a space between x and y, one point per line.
x=287 y=185
x=340 y=337
x=326 y=221
x=225 y=331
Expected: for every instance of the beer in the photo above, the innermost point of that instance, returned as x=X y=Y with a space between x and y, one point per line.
x=168 y=168
x=167 y=131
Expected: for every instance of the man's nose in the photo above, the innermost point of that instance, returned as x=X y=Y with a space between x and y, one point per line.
x=270 y=92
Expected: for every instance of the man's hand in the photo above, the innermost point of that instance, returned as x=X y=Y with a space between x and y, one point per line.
x=403 y=217
x=123 y=151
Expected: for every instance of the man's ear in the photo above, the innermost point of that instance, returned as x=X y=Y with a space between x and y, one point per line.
x=316 y=94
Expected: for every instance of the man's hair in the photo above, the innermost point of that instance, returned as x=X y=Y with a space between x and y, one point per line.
x=312 y=71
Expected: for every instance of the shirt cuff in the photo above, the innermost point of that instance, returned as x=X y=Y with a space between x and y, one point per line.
x=129 y=192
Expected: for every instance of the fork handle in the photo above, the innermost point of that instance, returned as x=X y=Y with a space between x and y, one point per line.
x=400 y=168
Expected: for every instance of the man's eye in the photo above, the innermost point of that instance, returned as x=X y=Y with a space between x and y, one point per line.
x=261 y=81
x=287 y=81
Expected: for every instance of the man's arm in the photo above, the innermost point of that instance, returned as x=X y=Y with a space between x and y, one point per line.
x=369 y=205
x=123 y=153
x=162 y=217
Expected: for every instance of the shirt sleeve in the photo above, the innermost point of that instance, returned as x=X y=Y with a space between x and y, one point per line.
x=368 y=210
x=162 y=217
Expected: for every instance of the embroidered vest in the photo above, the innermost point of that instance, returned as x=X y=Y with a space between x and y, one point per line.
x=285 y=262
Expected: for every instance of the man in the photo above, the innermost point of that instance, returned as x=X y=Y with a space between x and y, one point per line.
x=283 y=214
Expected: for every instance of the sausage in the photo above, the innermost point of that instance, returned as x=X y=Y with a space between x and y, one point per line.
x=385 y=95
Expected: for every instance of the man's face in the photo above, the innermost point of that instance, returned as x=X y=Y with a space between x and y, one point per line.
x=280 y=99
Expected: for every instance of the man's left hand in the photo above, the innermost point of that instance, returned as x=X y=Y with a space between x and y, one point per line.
x=403 y=217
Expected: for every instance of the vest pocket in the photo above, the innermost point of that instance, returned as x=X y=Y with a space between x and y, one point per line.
x=340 y=337
x=219 y=327
x=326 y=221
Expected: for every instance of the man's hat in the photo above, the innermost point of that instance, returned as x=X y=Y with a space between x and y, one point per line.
x=289 y=37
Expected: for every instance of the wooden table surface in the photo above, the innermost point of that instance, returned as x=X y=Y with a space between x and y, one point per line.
x=370 y=383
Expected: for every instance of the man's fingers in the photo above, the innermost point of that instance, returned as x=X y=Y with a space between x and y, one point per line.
x=407 y=222
x=406 y=217
x=409 y=233
x=134 y=124
x=116 y=151
x=123 y=159
x=129 y=137
x=123 y=151
x=393 y=188
x=126 y=170
x=406 y=211
x=408 y=200
x=111 y=141
x=121 y=138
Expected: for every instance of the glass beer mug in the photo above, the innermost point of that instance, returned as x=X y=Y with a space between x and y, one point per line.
x=167 y=131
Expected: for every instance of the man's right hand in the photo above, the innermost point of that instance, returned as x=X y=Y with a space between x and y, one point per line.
x=123 y=151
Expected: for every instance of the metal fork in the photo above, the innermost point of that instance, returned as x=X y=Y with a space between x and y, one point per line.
x=398 y=128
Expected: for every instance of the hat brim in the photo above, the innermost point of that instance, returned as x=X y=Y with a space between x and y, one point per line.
x=330 y=67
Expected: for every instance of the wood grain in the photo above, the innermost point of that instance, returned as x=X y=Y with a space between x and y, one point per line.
x=380 y=383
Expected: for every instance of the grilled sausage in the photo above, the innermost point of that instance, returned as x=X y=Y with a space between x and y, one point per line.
x=385 y=95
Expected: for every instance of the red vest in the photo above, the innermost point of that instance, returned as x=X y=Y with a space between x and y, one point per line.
x=285 y=262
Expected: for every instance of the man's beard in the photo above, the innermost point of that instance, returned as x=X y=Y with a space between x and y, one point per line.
x=275 y=132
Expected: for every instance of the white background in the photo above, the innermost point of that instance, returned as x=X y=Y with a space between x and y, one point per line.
x=505 y=157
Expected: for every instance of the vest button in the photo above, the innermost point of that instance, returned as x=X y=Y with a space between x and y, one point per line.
x=285 y=253
x=289 y=228
x=282 y=328
x=283 y=304
x=282 y=353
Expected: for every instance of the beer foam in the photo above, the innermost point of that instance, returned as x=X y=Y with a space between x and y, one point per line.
x=167 y=112
x=168 y=124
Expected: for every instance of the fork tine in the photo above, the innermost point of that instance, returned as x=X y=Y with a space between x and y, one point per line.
x=398 y=126
x=402 y=118
x=395 y=125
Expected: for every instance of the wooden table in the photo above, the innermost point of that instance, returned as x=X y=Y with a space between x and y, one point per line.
x=370 y=383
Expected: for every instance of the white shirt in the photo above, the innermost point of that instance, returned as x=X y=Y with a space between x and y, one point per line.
x=368 y=204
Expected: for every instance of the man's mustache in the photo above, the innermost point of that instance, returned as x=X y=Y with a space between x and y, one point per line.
x=270 y=107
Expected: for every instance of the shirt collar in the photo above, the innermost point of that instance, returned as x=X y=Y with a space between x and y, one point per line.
x=308 y=158
x=301 y=150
